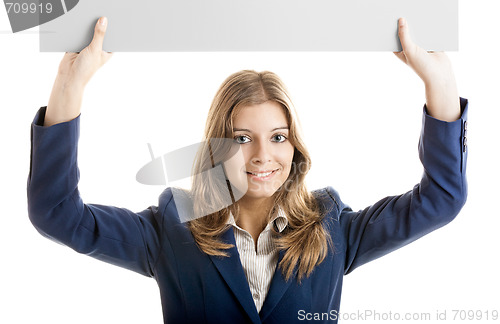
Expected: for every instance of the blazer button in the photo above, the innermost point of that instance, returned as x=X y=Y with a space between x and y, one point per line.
x=465 y=126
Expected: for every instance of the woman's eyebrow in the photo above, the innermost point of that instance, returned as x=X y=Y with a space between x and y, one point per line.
x=248 y=130
x=282 y=127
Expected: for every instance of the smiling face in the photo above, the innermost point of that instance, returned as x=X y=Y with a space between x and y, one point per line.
x=262 y=133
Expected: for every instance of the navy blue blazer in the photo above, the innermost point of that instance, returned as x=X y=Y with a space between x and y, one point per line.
x=198 y=288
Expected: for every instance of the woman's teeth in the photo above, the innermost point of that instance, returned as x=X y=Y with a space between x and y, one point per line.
x=261 y=175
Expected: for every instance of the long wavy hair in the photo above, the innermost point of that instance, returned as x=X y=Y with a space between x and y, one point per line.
x=305 y=240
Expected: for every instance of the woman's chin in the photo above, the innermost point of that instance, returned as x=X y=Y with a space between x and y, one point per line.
x=260 y=193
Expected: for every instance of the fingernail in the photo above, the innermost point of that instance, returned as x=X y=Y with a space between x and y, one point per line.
x=103 y=21
x=402 y=22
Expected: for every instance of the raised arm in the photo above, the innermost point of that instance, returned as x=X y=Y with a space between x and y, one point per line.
x=111 y=234
x=396 y=221
x=75 y=71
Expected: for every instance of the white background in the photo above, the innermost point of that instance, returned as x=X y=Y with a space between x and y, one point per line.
x=361 y=114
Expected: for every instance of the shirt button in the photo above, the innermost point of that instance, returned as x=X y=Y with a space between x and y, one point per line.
x=465 y=144
x=465 y=126
x=256 y=296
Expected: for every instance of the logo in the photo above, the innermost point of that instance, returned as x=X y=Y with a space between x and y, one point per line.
x=214 y=167
x=25 y=14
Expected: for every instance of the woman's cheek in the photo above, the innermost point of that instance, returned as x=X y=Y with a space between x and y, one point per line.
x=235 y=172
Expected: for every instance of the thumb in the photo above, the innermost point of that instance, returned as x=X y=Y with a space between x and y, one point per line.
x=99 y=32
x=404 y=37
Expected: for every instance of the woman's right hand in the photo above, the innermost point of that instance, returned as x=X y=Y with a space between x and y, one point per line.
x=75 y=71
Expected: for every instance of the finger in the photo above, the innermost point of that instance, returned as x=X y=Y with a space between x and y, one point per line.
x=105 y=56
x=99 y=32
x=67 y=60
x=401 y=56
x=404 y=36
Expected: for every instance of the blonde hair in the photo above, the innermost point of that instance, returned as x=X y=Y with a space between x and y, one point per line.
x=305 y=240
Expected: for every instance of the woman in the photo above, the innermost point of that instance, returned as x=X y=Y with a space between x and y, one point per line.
x=277 y=253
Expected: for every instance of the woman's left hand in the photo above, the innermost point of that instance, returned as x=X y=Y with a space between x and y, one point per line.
x=434 y=68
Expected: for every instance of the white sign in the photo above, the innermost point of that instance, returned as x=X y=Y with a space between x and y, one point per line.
x=254 y=25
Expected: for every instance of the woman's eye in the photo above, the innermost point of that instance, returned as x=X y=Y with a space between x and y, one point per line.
x=241 y=139
x=279 y=138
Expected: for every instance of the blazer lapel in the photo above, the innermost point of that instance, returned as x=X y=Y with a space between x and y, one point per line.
x=231 y=270
x=276 y=291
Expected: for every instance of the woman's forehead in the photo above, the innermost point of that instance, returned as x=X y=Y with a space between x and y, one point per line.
x=268 y=115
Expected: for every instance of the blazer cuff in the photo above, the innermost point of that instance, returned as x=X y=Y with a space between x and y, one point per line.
x=443 y=152
x=40 y=118
x=61 y=140
x=443 y=130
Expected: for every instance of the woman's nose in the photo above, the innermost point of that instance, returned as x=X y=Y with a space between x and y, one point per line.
x=261 y=153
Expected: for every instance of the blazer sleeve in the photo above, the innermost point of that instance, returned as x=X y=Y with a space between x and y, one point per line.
x=111 y=234
x=398 y=220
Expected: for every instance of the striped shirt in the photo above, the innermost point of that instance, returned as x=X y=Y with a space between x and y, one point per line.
x=259 y=265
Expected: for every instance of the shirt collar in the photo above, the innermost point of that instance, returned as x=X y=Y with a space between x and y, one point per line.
x=280 y=220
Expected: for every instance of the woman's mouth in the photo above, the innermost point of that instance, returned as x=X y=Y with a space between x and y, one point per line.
x=261 y=175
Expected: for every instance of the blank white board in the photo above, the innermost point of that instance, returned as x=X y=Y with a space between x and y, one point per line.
x=254 y=25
